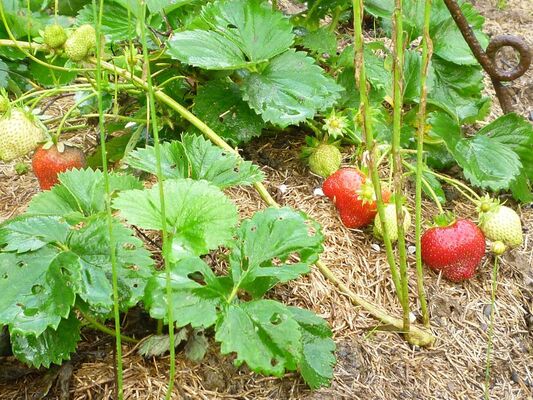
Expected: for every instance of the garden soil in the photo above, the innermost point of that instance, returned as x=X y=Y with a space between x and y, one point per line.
x=372 y=363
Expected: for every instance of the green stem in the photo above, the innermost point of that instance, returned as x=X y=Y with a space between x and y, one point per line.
x=360 y=77
x=101 y=327
x=398 y=60
x=458 y=185
x=68 y=113
x=494 y=288
x=167 y=240
x=97 y=13
x=426 y=56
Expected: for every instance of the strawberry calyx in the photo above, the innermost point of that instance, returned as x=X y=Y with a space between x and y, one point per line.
x=487 y=204
x=445 y=219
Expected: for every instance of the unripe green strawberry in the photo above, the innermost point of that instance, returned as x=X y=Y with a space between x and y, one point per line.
x=501 y=223
x=88 y=35
x=390 y=222
x=54 y=36
x=80 y=43
x=325 y=160
x=18 y=135
x=75 y=49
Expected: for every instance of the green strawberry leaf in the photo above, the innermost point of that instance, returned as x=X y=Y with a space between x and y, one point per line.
x=320 y=41
x=53 y=346
x=233 y=34
x=116 y=23
x=318 y=356
x=515 y=132
x=81 y=194
x=134 y=265
x=4 y=74
x=263 y=334
x=30 y=233
x=448 y=43
x=218 y=166
x=196 y=294
x=199 y=216
x=174 y=160
x=38 y=289
x=197 y=158
x=486 y=162
x=275 y=245
x=220 y=105
x=290 y=89
x=458 y=90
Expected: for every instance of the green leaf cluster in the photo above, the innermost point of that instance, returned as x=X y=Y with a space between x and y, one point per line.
x=283 y=86
x=273 y=246
x=56 y=257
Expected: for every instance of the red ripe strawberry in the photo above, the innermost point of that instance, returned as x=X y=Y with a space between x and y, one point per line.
x=456 y=249
x=353 y=196
x=48 y=162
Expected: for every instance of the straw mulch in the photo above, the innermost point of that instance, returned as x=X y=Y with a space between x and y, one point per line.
x=372 y=364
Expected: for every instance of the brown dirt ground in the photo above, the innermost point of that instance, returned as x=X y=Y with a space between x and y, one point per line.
x=371 y=364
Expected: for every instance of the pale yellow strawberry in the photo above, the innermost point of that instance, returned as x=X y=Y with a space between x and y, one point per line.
x=18 y=135
x=501 y=223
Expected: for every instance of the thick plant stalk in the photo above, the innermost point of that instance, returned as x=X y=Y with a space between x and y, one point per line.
x=426 y=56
x=396 y=154
x=109 y=214
x=167 y=241
x=417 y=336
x=371 y=145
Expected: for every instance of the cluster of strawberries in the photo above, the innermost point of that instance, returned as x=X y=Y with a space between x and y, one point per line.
x=454 y=247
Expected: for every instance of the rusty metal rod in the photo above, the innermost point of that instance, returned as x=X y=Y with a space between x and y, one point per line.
x=487 y=58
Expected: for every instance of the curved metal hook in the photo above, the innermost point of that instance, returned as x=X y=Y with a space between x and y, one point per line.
x=488 y=59
x=516 y=43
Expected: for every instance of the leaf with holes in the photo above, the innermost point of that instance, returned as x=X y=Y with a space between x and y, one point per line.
x=134 y=265
x=53 y=346
x=318 y=353
x=38 y=289
x=197 y=158
x=196 y=294
x=263 y=334
x=199 y=216
x=275 y=245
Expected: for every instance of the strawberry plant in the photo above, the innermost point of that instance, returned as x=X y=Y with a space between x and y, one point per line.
x=227 y=71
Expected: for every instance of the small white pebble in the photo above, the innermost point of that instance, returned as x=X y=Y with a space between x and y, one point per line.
x=375 y=247
x=283 y=188
x=131 y=124
x=318 y=192
x=412 y=317
x=411 y=249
